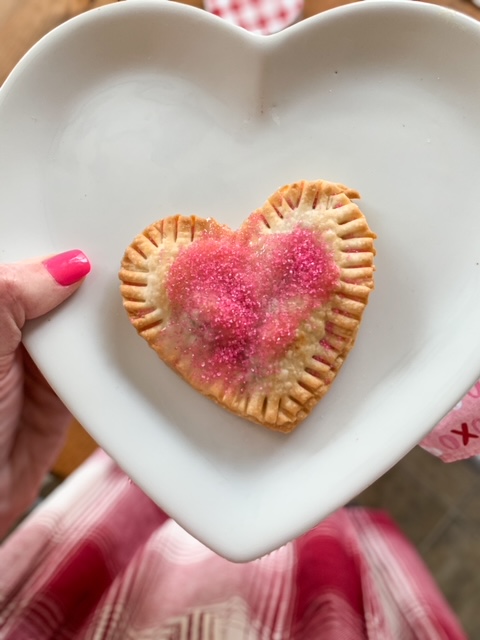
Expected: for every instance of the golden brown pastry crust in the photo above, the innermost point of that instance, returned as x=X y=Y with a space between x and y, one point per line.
x=321 y=345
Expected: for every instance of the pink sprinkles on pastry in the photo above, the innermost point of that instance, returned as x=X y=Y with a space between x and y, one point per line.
x=237 y=305
x=262 y=319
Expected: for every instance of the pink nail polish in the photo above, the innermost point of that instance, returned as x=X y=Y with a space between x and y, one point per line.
x=69 y=267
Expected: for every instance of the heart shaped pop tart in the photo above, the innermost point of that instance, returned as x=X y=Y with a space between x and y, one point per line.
x=260 y=319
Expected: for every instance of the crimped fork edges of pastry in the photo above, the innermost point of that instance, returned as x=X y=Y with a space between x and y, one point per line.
x=260 y=319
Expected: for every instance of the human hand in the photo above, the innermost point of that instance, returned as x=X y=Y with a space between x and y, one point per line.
x=33 y=421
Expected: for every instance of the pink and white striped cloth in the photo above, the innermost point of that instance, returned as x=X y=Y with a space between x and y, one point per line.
x=98 y=560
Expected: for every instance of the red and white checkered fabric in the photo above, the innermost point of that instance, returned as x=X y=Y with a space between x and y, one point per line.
x=258 y=16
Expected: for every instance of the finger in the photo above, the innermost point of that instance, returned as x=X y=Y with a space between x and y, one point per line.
x=42 y=427
x=30 y=449
x=32 y=288
x=39 y=393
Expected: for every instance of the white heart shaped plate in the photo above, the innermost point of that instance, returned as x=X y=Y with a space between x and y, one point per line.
x=140 y=110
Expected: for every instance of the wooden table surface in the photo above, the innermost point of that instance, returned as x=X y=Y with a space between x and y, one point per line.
x=22 y=23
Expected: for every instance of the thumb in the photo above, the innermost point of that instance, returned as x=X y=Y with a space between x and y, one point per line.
x=32 y=288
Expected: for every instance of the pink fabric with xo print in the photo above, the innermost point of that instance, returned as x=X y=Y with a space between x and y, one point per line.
x=457 y=436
